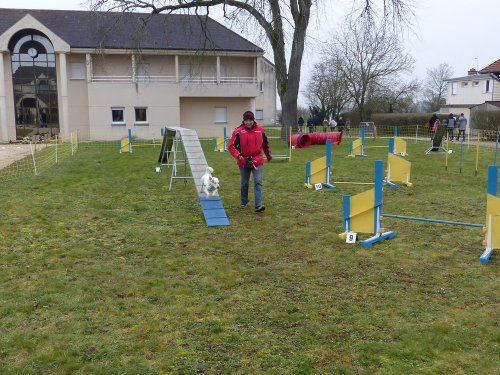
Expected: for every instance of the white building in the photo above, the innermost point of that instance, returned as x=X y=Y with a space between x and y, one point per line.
x=475 y=90
x=102 y=73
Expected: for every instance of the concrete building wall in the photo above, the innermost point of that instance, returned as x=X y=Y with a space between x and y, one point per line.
x=160 y=100
x=199 y=114
x=8 y=92
x=266 y=99
x=469 y=91
x=78 y=98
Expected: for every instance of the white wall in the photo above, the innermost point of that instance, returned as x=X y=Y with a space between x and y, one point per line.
x=468 y=92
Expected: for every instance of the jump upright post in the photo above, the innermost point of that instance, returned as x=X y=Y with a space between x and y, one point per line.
x=318 y=171
x=492 y=229
x=125 y=144
x=357 y=146
x=363 y=212
x=220 y=143
x=398 y=168
x=397 y=145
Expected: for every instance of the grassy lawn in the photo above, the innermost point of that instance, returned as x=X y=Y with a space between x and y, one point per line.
x=104 y=271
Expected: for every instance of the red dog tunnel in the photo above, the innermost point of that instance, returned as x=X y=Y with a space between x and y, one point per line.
x=301 y=140
x=304 y=140
x=320 y=138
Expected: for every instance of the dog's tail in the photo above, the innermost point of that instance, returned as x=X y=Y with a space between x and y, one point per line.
x=210 y=170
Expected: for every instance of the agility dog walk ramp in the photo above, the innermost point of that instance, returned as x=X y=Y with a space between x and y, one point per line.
x=181 y=148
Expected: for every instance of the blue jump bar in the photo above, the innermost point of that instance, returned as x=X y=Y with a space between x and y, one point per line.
x=433 y=220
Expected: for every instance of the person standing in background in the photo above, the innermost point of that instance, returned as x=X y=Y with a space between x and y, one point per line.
x=341 y=124
x=432 y=121
x=325 y=125
x=301 y=124
x=333 y=124
x=462 y=125
x=450 y=126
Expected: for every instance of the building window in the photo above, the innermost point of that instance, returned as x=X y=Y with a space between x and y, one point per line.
x=141 y=115
x=475 y=83
x=464 y=84
x=487 y=85
x=117 y=117
x=220 y=115
x=77 y=71
x=261 y=86
x=34 y=81
x=454 y=86
x=259 y=114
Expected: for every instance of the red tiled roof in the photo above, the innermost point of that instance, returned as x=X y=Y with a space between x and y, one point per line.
x=492 y=68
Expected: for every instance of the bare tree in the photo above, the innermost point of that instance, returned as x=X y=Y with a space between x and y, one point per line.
x=284 y=23
x=327 y=88
x=435 y=86
x=372 y=55
x=396 y=95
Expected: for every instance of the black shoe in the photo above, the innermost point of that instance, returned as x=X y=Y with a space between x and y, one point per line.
x=260 y=209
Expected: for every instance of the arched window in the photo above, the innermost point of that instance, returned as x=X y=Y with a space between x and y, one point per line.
x=34 y=81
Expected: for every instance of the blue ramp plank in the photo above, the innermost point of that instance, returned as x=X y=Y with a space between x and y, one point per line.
x=214 y=212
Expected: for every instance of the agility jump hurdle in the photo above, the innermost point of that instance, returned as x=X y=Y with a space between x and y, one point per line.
x=318 y=171
x=220 y=143
x=125 y=144
x=288 y=144
x=357 y=146
x=492 y=230
x=398 y=169
x=397 y=145
x=363 y=212
x=359 y=209
x=128 y=143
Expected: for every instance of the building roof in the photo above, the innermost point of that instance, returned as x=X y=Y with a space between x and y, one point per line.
x=471 y=77
x=141 y=31
x=492 y=68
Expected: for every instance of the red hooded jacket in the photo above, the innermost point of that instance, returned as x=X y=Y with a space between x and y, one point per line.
x=249 y=142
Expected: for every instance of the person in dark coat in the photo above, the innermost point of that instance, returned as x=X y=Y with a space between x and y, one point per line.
x=341 y=124
x=301 y=124
x=310 y=124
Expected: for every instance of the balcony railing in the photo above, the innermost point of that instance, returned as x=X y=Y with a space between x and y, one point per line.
x=172 y=79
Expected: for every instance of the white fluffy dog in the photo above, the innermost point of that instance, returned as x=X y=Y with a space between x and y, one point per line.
x=209 y=184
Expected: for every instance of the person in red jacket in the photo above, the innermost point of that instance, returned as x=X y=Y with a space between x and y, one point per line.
x=247 y=143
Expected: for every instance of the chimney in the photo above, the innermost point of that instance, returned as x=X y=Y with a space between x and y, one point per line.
x=471 y=72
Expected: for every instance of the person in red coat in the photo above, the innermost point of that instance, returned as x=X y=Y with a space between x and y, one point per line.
x=247 y=145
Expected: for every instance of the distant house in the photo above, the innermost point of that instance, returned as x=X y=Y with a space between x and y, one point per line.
x=478 y=90
x=102 y=73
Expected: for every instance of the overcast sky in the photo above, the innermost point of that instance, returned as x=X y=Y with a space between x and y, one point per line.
x=463 y=34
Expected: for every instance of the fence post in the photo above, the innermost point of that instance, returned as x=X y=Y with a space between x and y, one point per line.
x=57 y=143
x=33 y=158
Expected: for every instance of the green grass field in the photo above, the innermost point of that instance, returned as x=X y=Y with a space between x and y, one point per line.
x=104 y=271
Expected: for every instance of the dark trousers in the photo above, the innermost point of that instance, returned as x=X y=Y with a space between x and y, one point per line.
x=450 y=133
x=461 y=131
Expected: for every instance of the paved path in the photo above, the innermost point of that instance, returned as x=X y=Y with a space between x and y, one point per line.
x=10 y=153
